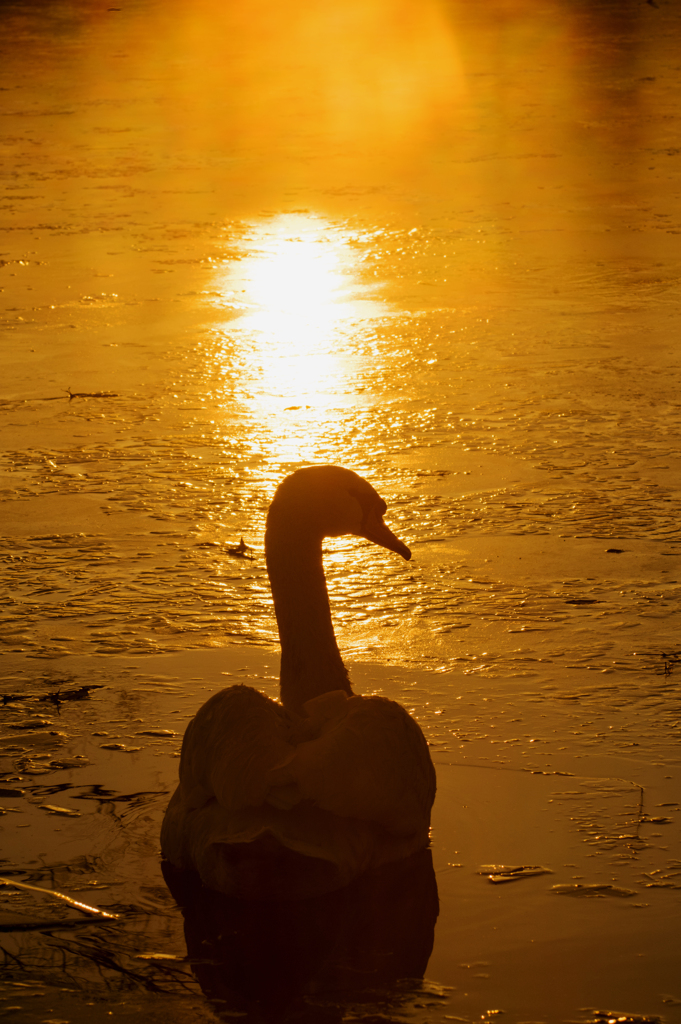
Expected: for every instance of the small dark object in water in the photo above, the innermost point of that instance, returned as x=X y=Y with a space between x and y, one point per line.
x=90 y=394
x=56 y=696
x=602 y=1016
x=44 y=926
x=240 y=551
x=30 y=766
x=32 y=723
x=497 y=873
x=614 y=551
x=79 y=694
x=590 y=891
x=582 y=600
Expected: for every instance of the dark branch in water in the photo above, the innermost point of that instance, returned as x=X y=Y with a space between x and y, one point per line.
x=46 y=926
x=241 y=550
x=58 y=398
x=56 y=697
x=670 y=660
x=90 y=394
x=76 y=904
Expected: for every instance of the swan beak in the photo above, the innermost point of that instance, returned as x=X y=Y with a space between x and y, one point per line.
x=374 y=529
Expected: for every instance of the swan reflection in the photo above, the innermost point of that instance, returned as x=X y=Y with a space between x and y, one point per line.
x=277 y=961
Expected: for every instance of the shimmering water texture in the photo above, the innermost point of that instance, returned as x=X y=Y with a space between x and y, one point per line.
x=437 y=243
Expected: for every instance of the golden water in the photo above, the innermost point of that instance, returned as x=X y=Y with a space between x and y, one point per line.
x=437 y=243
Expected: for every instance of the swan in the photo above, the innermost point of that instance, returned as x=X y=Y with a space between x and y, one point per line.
x=296 y=799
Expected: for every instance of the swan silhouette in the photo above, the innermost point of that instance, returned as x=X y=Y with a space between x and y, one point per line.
x=292 y=800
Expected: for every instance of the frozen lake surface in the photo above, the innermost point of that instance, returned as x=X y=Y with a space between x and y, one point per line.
x=437 y=243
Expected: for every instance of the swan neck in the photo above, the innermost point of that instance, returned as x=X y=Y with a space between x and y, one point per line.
x=311 y=663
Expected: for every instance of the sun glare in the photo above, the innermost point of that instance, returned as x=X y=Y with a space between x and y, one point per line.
x=298 y=299
x=299 y=293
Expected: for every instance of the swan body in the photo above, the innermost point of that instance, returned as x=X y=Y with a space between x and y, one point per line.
x=290 y=800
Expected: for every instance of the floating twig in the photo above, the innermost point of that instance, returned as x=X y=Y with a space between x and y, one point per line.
x=84 y=907
x=499 y=873
x=596 y=890
x=240 y=551
x=65 y=812
x=43 y=926
x=90 y=394
x=55 y=697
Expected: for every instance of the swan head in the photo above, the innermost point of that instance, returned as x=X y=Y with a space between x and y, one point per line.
x=329 y=501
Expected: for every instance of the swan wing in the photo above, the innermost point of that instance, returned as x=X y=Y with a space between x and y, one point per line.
x=230 y=748
x=370 y=763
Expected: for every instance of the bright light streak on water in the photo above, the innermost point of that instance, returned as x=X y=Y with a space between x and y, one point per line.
x=298 y=316
x=437 y=242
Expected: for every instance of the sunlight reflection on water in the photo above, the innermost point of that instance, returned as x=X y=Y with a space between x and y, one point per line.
x=436 y=242
x=296 y=297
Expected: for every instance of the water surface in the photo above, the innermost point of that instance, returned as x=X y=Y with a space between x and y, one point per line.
x=435 y=243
